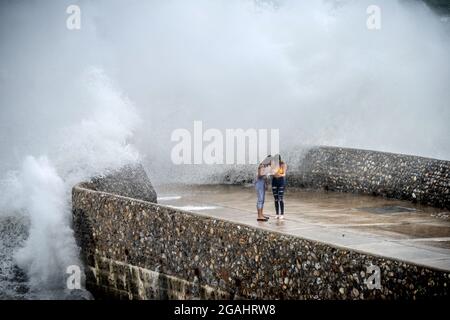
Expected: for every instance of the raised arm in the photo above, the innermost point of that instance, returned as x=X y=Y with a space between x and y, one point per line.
x=260 y=171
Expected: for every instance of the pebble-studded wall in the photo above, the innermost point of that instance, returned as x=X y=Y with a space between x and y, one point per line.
x=405 y=177
x=135 y=249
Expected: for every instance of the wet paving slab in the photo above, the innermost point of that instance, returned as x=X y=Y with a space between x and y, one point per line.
x=374 y=225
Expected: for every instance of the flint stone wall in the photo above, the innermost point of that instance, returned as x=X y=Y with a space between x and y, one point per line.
x=398 y=176
x=129 y=181
x=135 y=249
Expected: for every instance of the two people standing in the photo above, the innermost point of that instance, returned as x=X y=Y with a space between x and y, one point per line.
x=278 y=174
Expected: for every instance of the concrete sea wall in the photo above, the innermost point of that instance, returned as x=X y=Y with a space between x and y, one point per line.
x=404 y=177
x=136 y=249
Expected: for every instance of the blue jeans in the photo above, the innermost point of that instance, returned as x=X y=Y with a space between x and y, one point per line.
x=260 y=186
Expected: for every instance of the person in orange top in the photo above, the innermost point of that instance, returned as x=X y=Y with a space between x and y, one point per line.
x=278 y=186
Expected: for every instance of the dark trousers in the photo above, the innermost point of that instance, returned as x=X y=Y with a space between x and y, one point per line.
x=278 y=186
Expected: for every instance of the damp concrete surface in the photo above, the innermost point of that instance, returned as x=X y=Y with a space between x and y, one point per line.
x=378 y=226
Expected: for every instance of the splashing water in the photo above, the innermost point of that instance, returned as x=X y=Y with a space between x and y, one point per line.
x=40 y=191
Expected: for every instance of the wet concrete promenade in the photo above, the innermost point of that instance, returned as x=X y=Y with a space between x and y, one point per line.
x=383 y=227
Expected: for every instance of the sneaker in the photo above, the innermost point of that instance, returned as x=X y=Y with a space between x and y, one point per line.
x=278 y=216
x=281 y=217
